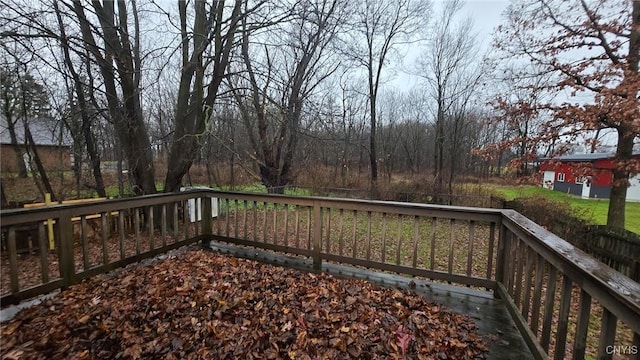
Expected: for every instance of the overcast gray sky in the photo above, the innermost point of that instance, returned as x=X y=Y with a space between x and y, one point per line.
x=486 y=16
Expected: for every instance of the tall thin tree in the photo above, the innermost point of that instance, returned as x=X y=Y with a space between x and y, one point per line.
x=379 y=28
x=451 y=74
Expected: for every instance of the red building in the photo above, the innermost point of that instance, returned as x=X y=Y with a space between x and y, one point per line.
x=585 y=175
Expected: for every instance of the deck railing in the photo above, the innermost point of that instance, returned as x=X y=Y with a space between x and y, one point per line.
x=92 y=238
x=555 y=292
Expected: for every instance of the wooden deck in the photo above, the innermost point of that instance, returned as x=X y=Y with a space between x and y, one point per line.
x=540 y=288
x=489 y=314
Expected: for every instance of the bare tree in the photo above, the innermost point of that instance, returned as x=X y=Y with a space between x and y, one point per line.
x=118 y=59
x=23 y=100
x=224 y=144
x=415 y=132
x=351 y=127
x=390 y=115
x=10 y=105
x=205 y=48
x=272 y=109
x=451 y=74
x=83 y=106
x=458 y=124
x=337 y=136
x=22 y=96
x=379 y=28
x=31 y=106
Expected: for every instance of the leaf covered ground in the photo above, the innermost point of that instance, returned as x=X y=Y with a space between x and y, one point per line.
x=203 y=305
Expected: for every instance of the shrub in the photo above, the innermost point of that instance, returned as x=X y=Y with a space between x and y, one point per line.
x=557 y=217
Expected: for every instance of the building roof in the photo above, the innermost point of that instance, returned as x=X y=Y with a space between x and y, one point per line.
x=45 y=131
x=584 y=157
x=587 y=157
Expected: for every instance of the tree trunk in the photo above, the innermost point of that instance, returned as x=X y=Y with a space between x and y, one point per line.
x=76 y=167
x=210 y=179
x=17 y=147
x=453 y=151
x=82 y=102
x=94 y=156
x=181 y=158
x=9 y=110
x=373 y=154
x=232 y=172
x=344 y=166
x=618 y=196
x=626 y=135
x=193 y=110
x=438 y=153
x=4 y=202
x=39 y=165
x=126 y=112
x=119 y=169
x=272 y=180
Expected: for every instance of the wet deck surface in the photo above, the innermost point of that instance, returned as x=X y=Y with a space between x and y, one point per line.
x=489 y=314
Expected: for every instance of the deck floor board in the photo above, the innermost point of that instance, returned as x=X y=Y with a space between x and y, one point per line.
x=489 y=314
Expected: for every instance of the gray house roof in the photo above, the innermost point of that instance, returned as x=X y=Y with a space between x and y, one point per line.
x=45 y=131
x=584 y=157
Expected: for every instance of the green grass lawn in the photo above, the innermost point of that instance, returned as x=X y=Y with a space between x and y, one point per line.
x=593 y=210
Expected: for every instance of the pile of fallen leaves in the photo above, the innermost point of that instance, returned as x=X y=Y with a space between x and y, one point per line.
x=200 y=304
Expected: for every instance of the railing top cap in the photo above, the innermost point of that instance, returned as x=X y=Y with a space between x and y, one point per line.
x=590 y=268
x=361 y=201
x=152 y=199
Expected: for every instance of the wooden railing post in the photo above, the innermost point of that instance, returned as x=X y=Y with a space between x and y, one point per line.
x=207 y=213
x=13 y=260
x=607 y=335
x=67 y=261
x=500 y=258
x=317 y=235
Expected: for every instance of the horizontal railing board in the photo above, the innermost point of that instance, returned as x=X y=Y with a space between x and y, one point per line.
x=31 y=292
x=431 y=274
x=450 y=212
x=528 y=335
x=20 y=216
x=263 y=245
x=389 y=207
x=17 y=216
x=603 y=283
x=263 y=255
x=268 y=198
